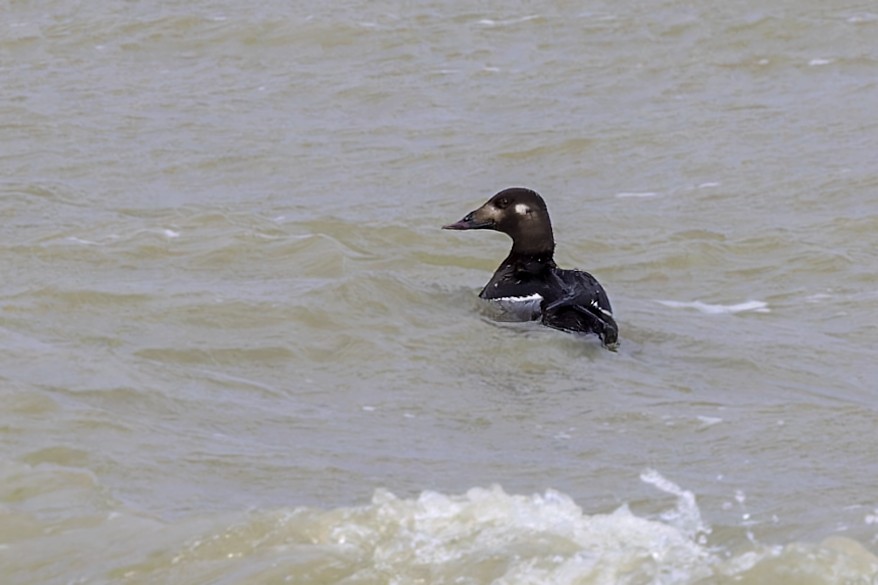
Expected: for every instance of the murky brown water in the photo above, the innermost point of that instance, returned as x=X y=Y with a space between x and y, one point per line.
x=229 y=316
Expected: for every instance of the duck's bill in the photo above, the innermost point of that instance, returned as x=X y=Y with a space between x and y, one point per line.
x=469 y=223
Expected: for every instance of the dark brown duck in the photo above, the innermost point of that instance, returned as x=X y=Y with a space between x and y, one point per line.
x=528 y=284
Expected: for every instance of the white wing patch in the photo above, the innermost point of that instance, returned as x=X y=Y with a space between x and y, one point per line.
x=525 y=308
x=533 y=297
x=529 y=308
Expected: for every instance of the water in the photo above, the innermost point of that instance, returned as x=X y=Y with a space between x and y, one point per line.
x=237 y=348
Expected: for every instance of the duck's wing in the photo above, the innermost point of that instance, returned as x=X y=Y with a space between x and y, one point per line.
x=583 y=307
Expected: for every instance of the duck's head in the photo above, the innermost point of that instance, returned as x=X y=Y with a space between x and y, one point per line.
x=520 y=213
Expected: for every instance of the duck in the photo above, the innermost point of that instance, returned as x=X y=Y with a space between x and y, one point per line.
x=528 y=285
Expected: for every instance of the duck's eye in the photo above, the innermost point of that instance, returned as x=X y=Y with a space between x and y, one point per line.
x=502 y=203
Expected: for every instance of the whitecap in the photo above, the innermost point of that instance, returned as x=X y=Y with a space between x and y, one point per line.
x=489 y=536
x=76 y=240
x=715 y=309
x=862 y=18
x=685 y=516
x=491 y=22
x=709 y=421
x=818 y=298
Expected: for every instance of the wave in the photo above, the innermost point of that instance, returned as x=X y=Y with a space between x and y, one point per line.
x=483 y=536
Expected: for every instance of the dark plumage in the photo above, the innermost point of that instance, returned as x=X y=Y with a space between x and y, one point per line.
x=528 y=283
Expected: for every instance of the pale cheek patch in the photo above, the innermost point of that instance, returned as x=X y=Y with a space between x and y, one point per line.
x=522 y=209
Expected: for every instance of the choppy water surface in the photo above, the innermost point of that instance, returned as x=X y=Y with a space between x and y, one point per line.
x=236 y=347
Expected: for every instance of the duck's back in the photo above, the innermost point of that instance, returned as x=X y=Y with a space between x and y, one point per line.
x=570 y=300
x=579 y=304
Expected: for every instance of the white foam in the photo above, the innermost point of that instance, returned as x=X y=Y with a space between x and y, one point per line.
x=715 y=309
x=685 y=516
x=489 y=536
x=492 y=22
x=76 y=240
x=861 y=18
x=818 y=62
x=818 y=298
x=709 y=421
x=544 y=538
x=170 y=233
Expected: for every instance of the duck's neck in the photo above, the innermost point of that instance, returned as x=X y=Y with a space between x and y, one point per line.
x=532 y=262
x=533 y=239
